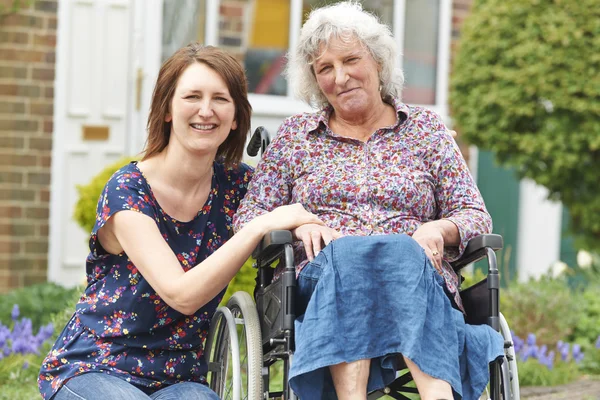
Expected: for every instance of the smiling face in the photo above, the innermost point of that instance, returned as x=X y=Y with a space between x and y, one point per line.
x=202 y=111
x=348 y=76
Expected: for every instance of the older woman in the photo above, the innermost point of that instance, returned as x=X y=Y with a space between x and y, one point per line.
x=389 y=181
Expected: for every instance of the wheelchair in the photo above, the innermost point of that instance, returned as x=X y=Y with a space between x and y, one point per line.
x=249 y=337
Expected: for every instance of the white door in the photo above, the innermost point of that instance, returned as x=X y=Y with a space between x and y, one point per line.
x=94 y=78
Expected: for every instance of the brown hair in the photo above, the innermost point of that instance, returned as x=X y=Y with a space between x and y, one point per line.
x=159 y=131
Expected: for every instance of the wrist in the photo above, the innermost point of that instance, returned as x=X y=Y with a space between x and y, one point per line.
x=259 y=226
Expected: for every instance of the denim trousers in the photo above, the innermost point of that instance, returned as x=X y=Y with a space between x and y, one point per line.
x=102 y=386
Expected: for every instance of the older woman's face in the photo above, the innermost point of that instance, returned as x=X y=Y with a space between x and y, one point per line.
x=348 y=77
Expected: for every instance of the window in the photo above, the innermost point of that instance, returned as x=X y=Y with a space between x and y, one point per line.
x=420 y=58
x=183 y=22
x=257 y=32
x=260 y=32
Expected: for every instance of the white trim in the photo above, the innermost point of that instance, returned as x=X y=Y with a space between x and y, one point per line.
x=398 y=28
x=58 y=160
x=443 y=65
x=212 y=22
x=277 y=106
x=539 y=231
x=474 y=162
x=148 y=58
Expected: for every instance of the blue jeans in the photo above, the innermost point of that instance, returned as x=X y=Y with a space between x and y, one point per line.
x=100 y=386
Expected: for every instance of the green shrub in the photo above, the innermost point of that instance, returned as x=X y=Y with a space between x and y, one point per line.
x=18 y=373
x=37 y=302
x=89 y=194
x=244 y=281
x=586 y=328
x=532 y=373
x=469 y=279
x=545 y=307
x=526 y=85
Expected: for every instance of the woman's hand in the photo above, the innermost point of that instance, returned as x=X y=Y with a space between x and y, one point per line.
x=312 y=235
x=288 y=218
x=431 y=238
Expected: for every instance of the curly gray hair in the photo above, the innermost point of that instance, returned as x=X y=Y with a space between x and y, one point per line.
x=346 y=20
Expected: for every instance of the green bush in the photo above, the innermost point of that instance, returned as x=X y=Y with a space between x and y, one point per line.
x=243 y=281
x=532 y=373
x=18 y=373
x=586 y=328
x=37 y=302
x=526 y=85
x=545 y=307
x=85 y=209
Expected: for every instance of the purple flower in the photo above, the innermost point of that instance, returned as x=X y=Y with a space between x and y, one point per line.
x=563 y=349
x=531 y=339
x=547 y=360
x=529 y=351
x=15 y=312
x=598 y=342
x=26 y=364
x=517 y=342
x=577 y=353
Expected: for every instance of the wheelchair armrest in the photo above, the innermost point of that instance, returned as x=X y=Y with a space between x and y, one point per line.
x=475 y=250
x=271 y=246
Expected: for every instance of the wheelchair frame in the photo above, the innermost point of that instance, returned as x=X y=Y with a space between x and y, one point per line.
x=268 y=329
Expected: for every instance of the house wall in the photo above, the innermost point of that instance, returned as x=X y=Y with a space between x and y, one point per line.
x=27 y=58
x=27 y=67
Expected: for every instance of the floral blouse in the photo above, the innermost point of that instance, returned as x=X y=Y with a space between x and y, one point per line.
x=121 y=326
x=405 y=175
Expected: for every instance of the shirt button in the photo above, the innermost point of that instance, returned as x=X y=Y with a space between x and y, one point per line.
x=366 y=207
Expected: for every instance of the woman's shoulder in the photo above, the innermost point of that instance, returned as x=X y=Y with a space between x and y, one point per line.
x=300 y=124
x=128 y=175
x=425 y=118
x=236 y=174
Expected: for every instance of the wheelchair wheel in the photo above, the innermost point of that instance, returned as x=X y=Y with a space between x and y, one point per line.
x=510 y=376
x=234 y=350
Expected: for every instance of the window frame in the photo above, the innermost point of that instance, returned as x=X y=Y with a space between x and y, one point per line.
x=287 y=105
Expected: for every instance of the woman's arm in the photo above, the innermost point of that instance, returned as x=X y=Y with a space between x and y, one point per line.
x=188 y=291
x=272 y=182
x=461 y=210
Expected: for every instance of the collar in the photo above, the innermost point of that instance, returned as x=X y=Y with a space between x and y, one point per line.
x=321 y=117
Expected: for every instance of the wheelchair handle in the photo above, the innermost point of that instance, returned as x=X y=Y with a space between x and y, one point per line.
x=259 y=141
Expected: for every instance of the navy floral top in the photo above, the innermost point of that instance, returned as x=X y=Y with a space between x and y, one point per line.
x=405 y=175
x=121 y=326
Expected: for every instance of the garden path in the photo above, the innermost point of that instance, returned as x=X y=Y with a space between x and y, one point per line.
x=584 y=389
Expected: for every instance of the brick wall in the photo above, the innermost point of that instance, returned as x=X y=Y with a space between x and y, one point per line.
x=27 y=59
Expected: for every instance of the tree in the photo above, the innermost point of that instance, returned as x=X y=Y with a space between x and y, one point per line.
x=526 y=85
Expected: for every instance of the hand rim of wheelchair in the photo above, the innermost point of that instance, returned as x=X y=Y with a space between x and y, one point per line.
x=223 y=344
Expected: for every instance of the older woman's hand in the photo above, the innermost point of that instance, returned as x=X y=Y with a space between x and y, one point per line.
x=313 y=235
x=431 y=238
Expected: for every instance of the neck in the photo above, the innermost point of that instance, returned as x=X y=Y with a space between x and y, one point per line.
x=184 y=173
x=362 y=126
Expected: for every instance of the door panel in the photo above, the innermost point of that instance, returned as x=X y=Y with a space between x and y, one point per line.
x=91 y=117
